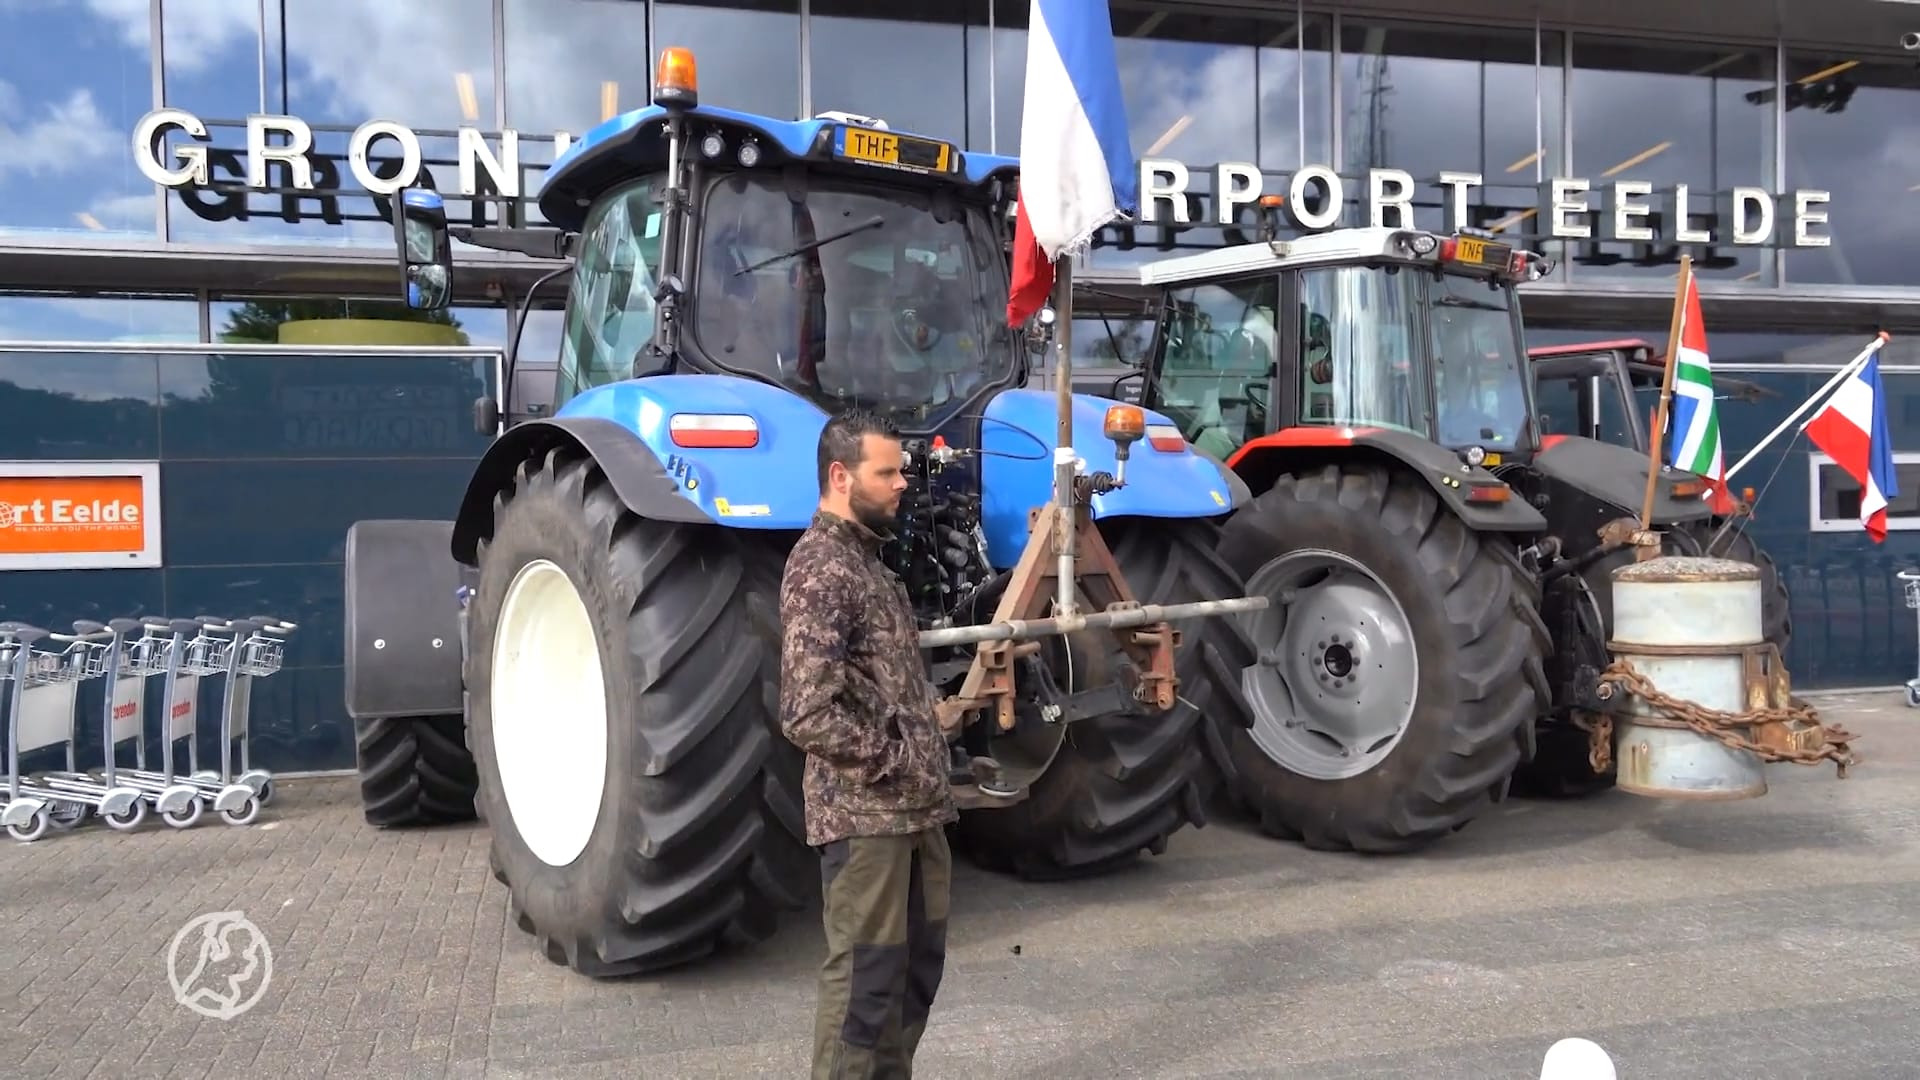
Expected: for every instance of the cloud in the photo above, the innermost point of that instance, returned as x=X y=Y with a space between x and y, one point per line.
x=68 y=136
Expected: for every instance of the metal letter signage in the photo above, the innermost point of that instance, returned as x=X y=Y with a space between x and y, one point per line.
x=1569 y=207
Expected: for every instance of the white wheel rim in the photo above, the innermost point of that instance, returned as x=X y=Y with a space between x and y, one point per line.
x=549 y=713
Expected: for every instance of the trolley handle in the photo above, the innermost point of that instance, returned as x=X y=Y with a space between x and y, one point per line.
x=236 y=627
x=271 y=625
x=1908 y=575
x=119 y=627
x=21 y=632
x=102 y=634
x=171 y=626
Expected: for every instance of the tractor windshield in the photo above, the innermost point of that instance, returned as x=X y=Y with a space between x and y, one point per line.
x=1479 y=380
x=852 y=294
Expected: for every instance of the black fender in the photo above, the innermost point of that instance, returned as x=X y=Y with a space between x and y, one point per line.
x=1460 y=486
x=636 y=474
x=1616 y=476
x=402 y=637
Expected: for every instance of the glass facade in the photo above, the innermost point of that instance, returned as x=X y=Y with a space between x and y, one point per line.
x=1513 y=99
x=1518 y=104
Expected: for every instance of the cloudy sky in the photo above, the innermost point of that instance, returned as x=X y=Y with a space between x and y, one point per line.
x=70 y=98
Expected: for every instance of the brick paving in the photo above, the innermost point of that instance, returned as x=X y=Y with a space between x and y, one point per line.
x=1772 y=937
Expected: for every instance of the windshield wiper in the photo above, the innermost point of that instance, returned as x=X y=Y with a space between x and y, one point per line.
x=873 y=222
x=1461 y=301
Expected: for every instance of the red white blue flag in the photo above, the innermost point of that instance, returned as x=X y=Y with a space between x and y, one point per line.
x=1851 y=428
x=1077 y=170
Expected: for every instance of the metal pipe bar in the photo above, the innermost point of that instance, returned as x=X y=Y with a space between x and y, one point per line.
x=1014 y=629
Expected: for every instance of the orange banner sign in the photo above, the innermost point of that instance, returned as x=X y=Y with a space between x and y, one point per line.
x=78 y=515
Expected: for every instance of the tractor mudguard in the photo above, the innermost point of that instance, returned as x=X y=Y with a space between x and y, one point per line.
x=1017 y=438
x=402 y=621
x=638 y=476
x=1301 y=449
x=1617 y=475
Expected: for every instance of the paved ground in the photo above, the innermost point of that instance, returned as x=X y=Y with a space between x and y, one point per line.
x=1774 y=937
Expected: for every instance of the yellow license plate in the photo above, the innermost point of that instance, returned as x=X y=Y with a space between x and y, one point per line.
x=875 y=146
x=1471 y=249
x=1490 y=460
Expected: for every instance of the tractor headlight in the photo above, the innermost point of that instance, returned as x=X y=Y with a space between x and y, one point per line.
x=713 y=145
x=1474 y=456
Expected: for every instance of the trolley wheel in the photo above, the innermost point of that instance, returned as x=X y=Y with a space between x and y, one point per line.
x=34 y=830
x=265 y=794
x=248 y=811
x=184 y=818
x=128 y=820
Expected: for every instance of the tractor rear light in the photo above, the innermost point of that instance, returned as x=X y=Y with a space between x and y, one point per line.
x=1488 y=493
x=713 y=431
x=1166 y=438
x=1685 y=489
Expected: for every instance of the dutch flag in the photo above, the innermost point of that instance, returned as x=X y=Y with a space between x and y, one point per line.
x=1077 y=171
x=1851 y=428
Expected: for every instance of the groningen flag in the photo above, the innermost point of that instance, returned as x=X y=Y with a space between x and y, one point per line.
x=1695 y=424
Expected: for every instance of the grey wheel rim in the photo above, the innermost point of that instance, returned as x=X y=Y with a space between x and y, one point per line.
x=1339 y=669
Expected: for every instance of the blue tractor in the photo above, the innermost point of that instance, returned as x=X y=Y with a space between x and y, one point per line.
x=596 y=668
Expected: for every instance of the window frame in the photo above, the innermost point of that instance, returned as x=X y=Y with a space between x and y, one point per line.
x=1819 y=524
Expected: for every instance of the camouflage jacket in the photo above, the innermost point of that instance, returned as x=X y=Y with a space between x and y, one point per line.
x=854 y=692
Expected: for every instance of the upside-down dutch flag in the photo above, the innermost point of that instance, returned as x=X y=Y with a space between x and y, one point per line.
x=1851 y=428
x=1077 y=171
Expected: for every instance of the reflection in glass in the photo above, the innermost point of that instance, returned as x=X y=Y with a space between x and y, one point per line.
x=71 y=90
x=99 y=317
x=748 y=51
x=271 y=320
x=1853 y=129
x=895 y=315
x=611 y=316
x=76 y=404
x=903 y=63
x=1479 y=383
x=1295 y=88
x=423 y=65
x=571 y=64
x=1671 y=114
x=1359 y=349
x=1217 y=354
x=1429 y=99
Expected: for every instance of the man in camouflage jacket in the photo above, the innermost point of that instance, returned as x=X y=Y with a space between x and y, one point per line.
x=854 y=696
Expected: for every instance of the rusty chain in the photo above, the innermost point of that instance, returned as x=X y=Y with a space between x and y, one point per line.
x=1722 y=726
x=1599 y=731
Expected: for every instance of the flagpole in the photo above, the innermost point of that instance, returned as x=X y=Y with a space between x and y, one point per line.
x=1066 y=535
x=1846 y=371
x=1657 y=441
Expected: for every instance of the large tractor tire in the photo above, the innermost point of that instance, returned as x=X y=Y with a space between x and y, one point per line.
x=1120 y=783
x=624 y=686
x=1399 y=670
x=415 y=770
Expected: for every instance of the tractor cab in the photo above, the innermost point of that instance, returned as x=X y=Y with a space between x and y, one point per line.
x=1608 y=390
x=1379 y=328
x=833 y=258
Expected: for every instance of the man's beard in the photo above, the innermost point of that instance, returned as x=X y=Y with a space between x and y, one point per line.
x=874 y=515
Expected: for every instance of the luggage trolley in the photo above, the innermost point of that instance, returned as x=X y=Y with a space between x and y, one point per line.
x=181 y=650
x=42 y=707
x=256 y=651
x=1911 y=580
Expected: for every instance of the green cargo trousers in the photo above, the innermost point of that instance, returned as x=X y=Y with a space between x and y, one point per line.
x=885 y=900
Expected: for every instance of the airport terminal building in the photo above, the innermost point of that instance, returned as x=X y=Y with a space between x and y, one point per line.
x=198 y=289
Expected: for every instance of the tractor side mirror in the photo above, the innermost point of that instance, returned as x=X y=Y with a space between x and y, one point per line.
x=426 y=253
